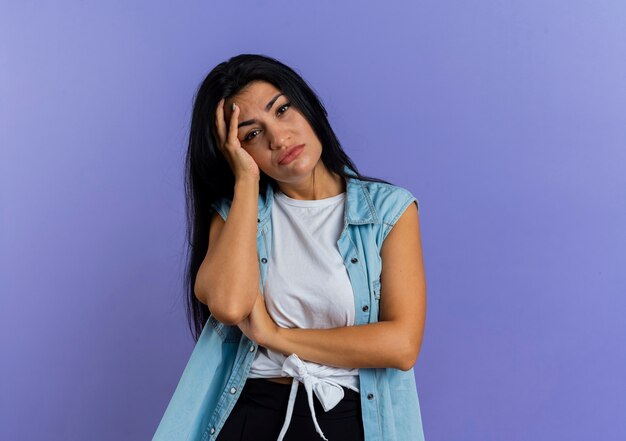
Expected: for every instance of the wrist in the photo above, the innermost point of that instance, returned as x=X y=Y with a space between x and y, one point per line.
x=246 y=182
x=275 y=339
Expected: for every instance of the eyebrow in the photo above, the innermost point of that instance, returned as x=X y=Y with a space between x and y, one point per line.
x=268 y=106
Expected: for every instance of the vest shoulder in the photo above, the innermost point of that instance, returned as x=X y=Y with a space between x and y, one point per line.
x=222 y=206
x=389 y=200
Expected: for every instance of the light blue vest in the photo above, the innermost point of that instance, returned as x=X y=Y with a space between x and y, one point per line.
x=219 y=364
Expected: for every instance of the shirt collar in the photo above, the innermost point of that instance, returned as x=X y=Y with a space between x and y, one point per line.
x=359 y=208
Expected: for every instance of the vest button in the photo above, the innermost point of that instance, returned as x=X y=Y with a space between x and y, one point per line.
x=212 y=430
x=366 y=308
x=354 y=260
x=252 y=348
x=233 y=390
x=264 y=260
x=370 y=396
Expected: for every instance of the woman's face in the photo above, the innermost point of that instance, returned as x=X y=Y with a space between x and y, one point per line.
x=269 y=126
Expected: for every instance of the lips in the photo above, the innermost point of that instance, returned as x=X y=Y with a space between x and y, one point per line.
x=286 y=155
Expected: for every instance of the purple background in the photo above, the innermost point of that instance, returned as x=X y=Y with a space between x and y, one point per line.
x=507 y=120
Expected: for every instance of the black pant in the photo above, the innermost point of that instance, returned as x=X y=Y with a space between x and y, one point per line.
x=260 y=412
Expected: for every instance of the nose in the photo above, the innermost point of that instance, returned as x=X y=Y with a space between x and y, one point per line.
x=278 y=137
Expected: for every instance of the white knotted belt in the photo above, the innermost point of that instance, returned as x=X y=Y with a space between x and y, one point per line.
x=328 y=391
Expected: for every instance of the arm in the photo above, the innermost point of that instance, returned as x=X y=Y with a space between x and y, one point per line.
x=394 y=341
x=228 y=278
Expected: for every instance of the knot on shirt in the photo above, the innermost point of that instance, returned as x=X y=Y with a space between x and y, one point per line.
x=328 y=392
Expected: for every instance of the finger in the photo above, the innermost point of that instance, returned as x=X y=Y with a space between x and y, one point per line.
x=234 y=121
x=220 y=123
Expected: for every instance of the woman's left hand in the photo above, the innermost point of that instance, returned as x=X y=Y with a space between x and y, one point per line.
x=259 y=325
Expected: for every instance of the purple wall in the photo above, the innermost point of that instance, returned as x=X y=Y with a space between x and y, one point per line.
x=506 y=119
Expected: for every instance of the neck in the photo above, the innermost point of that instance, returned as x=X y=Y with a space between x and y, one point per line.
x=321 y=184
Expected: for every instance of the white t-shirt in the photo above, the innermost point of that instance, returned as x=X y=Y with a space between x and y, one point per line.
x=307 y=286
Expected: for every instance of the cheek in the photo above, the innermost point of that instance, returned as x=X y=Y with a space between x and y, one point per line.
x=310 y=133
x=260 y=155
x=303 y=125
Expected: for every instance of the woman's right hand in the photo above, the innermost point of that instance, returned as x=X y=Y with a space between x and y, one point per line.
x=240 y=161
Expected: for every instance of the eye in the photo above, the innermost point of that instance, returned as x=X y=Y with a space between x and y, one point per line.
x=282 y=109
x=284 y=106
x=249 y=137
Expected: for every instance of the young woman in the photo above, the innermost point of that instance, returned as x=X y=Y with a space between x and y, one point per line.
x=305 y=283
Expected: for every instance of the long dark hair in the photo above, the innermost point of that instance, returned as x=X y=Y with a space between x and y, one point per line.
x=208 y=175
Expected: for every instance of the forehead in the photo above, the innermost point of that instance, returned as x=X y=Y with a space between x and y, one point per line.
x=254 y=95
